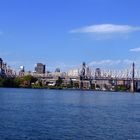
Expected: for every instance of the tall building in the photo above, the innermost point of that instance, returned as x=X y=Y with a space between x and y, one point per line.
x=83 y=71
x=1 y=62
x=2 y=68
x=97 y=73
x=22 y=68
x=40 y=68
x=88 y=72
x=73 y=72
x=57 y=70
x=21 y=71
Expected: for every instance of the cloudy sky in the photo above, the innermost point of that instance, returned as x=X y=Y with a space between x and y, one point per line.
x=64 y=33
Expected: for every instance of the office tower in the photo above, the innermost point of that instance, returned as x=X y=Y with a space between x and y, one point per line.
x=97 y=73
x=57 y=70
x=1 y=62
x=40 y=68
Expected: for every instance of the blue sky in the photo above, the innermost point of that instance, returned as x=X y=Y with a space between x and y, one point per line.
x=64 y=33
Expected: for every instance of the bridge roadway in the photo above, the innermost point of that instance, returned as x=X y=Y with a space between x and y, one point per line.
x=47 y=77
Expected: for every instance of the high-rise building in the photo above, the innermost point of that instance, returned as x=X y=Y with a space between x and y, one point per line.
x=40 y=68
x=97 y=73
x=2 y=68
x=73 y=72
x=88 y=72
x=1 y=62
x=57 y=70
x=22 y=68
x=83 y=71
x=22 y=71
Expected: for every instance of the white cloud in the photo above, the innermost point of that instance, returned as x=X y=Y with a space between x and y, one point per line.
x=135 y=50
x=106 y=28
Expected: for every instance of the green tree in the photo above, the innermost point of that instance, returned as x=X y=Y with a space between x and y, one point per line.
x=76 y=85
x=27 y=80
x=59 y=81
x=1 y=82
x=17 y=82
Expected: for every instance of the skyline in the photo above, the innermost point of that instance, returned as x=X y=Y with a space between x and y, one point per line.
x=65 y=33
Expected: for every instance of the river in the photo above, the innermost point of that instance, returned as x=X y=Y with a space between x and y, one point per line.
x=41 y=114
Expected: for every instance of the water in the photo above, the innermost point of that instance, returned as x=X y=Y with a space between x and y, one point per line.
x=40 y=114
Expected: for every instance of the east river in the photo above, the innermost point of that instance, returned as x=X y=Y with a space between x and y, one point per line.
x=41 y=114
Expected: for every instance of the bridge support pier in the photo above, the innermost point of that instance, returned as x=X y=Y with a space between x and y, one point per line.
x=132 y=89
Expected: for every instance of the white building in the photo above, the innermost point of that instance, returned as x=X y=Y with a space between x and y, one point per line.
x=73 y=73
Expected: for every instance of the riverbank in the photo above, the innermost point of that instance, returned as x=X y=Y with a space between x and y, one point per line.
x=29 y=81
x=67 y=89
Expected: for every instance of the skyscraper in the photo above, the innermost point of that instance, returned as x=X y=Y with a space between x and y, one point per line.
x=1 y=62
x=97 y=73
x=40 y=68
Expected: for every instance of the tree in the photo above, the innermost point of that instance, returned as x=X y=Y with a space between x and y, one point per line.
x=17 y=82
x=59 y=81
x=1 y=82
x=76 y=85
x=27 y=80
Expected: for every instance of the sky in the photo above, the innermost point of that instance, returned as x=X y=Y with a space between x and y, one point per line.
x=65 y=33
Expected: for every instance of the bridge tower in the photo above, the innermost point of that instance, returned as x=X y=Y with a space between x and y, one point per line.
x=132 y=89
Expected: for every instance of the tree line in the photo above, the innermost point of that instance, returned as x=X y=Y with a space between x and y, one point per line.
x=25 y=81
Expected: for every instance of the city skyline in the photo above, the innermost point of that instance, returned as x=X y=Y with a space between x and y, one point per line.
x=65 y=33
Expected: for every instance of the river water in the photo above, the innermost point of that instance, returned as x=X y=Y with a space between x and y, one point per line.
x=41 y=114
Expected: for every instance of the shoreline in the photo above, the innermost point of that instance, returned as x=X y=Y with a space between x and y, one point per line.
x=74 y=89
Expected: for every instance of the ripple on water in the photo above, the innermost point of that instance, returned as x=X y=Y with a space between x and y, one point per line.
x=64 y=114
